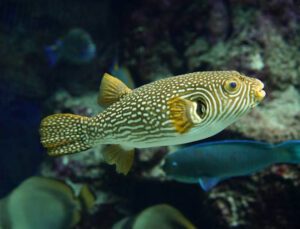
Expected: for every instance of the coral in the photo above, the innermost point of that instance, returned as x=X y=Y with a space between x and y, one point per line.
x=198 y=47
x=82 y=105
x=233 y=205
x=276 y=120
x=245 y=202
x=256 y=45
x=238 y=52
x=156 y=62
x=157 y=44
x=219 y=21
x=282 y=59
x=283 y=13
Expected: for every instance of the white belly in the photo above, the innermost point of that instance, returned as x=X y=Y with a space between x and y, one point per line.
x=193 y=135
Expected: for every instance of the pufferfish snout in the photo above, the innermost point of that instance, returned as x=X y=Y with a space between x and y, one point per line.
x=260 y=93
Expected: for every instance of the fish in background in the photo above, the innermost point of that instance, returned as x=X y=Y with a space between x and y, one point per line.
x=76 y=47
x=41 y=202
x=212 y=162
x=122 y=73
x=160 y=216
x=171 y=111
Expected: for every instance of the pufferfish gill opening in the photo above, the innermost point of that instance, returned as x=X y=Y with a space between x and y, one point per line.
x=171 y=111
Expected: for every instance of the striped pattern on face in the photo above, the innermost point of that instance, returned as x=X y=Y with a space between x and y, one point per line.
x=143 y=115
x=222 y=104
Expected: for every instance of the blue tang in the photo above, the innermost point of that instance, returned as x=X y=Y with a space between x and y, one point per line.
x=210 y=163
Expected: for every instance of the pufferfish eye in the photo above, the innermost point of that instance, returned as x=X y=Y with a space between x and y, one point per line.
x=231 y=85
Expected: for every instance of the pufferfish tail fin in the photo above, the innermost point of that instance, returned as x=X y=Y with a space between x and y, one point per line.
x=64 y=134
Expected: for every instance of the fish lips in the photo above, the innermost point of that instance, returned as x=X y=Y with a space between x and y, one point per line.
x=259 y=93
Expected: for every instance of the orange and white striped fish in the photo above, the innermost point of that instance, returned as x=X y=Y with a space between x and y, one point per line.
x=170 y=111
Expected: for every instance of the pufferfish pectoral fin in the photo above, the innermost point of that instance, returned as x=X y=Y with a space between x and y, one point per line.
x=111 y=90
x=183 y=114
x=123 y=159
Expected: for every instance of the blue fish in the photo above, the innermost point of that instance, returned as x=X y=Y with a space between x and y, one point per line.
x=122 y=73
x=209 y=163
x=76 y=47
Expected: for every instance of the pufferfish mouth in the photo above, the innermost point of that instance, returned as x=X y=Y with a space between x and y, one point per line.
x=259 y=93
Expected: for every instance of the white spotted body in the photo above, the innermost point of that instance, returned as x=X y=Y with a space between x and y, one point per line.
x=141 y=118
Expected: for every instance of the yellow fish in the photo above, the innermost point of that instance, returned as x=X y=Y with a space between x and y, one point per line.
x=161 y=216
x=41 y=202
x=170 y=111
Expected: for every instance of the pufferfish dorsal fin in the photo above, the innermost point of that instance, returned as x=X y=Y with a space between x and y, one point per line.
x=111 y=90
x=183 y=114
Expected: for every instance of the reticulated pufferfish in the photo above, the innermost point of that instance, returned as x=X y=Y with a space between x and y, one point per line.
x=170 y=111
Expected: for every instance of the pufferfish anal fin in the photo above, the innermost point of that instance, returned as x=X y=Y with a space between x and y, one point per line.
x=111 y=90
x=116 y=155
x=183 y=114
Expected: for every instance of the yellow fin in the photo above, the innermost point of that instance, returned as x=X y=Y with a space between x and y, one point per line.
x=161 y=216
x=111 y=90
x=76 y=218
x=87 y=197
x=183 y=114
x=123 y=159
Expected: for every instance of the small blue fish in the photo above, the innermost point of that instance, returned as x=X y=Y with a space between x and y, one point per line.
x=77 y=47
x=210 y=163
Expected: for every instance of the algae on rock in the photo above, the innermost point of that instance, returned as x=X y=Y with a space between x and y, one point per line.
x=276 y=121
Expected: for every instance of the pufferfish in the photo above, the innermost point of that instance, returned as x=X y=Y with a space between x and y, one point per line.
x=170 y=111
